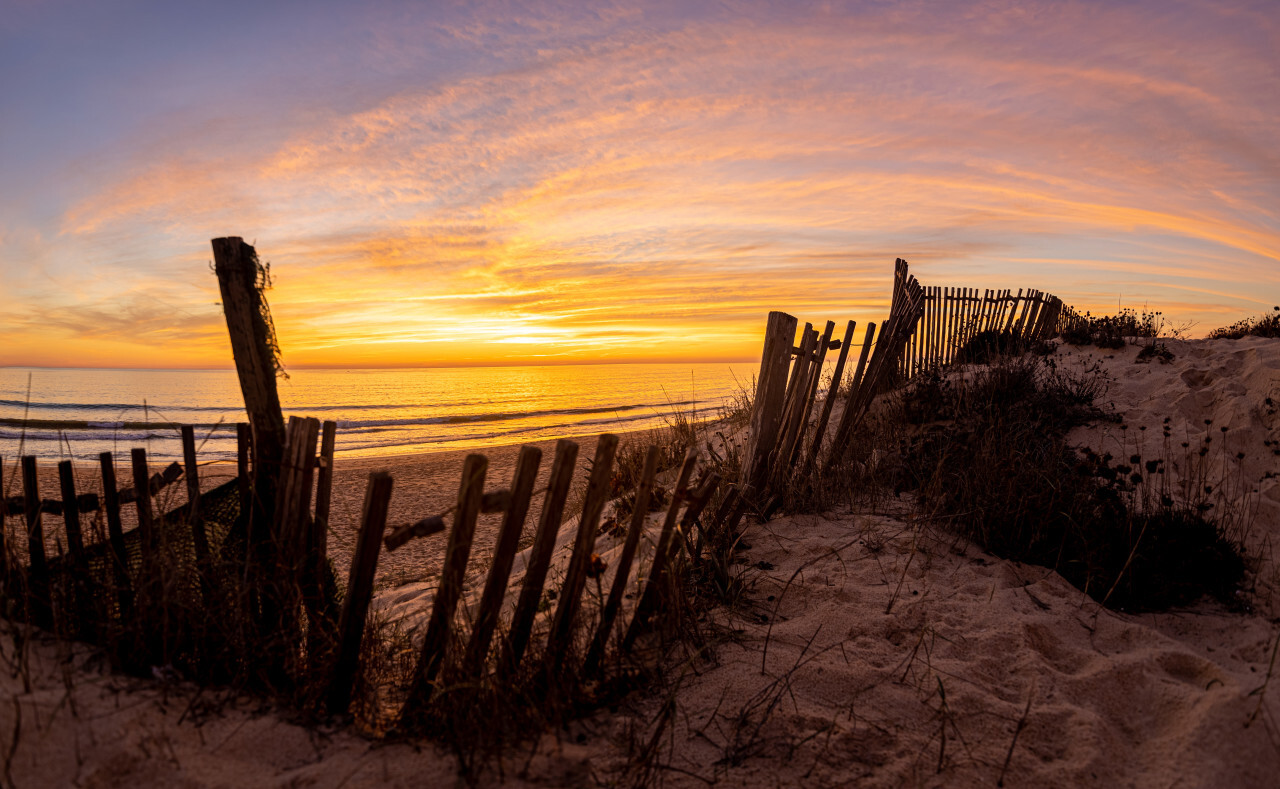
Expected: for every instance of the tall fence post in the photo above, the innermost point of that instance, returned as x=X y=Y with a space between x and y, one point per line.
x=241 y=280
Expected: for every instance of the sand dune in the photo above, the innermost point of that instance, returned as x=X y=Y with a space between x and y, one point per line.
x=868 y=650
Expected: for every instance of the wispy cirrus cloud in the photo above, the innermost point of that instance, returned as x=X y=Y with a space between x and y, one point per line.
x=603 y=184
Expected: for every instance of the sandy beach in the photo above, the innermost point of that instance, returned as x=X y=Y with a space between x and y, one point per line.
x=868 y=649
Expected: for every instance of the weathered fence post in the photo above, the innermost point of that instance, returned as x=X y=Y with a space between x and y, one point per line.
x=560 y=639
x=355 y=609
x=38 y=577
x=622 y=573
x=198 y=536
x=544 y=543
x=439 y=626
x=661 y=554
x=771 y=389
x=504 y=554
x=241 y=280
x=115 y=533
x=820 y=430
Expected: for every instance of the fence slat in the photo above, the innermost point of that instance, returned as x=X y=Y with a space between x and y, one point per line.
x=194 y=521
x=324 y=485
x=661 y=553
x=71 y=511
x=142 y=500
x=115 y=533
x=837 y=375
x=622 y=573
x=560 y=639
x=771 y=387
x=522 y=481
x=38 y=568
x=850 y=402
x=544 y=541
x=355 y=608
x=456 y=554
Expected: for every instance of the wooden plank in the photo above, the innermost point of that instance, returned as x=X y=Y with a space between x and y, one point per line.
x=364 y=563
x=796 y=388
x=198 y=535
x=115 y=532
x=544 y=541
x=795 y=383
x=930 y=320
x=560 y=639
x=71 y=512
x=287 y=494
x=622 y=572
x=848 y=417
x=661 y=553
x=824 y=416
x=38 y=567
x=1011 y=316
x=771 y=386
x=457 y=552
x=146 y=519
x=815 y=377
x=324 y=485
x=790 y=448
x=495 y=588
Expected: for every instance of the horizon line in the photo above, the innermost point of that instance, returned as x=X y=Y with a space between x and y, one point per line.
x=442 y=366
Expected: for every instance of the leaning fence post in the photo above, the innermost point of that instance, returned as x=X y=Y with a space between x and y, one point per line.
x=661 y=553
x=436 y=641
x=544 y=542
x=622 y=573
x=560 y=639
x=771 y=390
x=241 y=280
x=504 y=554
x=355 y=609
x=837 y=375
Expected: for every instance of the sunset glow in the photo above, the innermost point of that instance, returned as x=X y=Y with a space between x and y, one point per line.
x=492 y=183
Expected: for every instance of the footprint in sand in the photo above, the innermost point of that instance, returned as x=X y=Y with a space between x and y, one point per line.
x=1196 y=378
x=1190 y=669
x=1049 y=646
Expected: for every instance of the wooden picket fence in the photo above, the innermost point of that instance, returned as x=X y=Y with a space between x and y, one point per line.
x=117 y=566
x=928 y=328
x=954 y=317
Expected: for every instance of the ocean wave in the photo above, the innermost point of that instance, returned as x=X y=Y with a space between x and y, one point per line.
x=93 y=424
x=499 y=416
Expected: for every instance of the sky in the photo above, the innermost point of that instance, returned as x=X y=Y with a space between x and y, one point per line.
x=547 y=182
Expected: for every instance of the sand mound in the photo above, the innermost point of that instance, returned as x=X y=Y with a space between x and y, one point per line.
x=867 y=650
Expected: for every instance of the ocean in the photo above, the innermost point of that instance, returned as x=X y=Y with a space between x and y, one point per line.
x=78 y=413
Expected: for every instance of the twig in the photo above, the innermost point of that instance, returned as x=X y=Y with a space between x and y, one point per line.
x=1022 y=723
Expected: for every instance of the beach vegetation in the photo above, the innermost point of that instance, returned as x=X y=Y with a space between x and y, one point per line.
x=1266 y=325
x=985 y=455
x=1113 y=332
